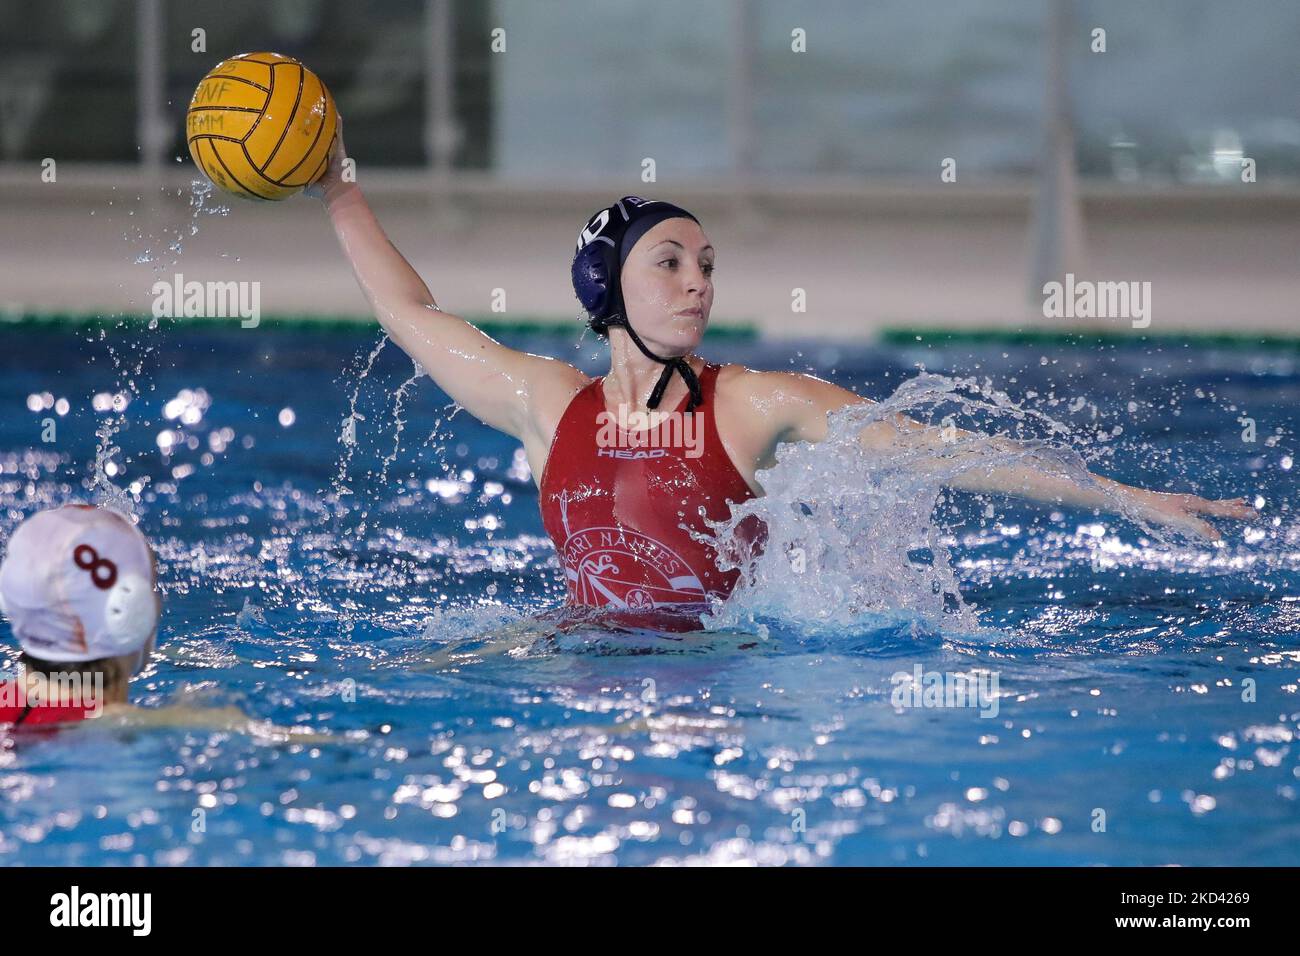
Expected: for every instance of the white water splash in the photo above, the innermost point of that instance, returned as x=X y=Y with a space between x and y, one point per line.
x=173 y=237
x=129 y=368
x=348 y=433
x=851 y=534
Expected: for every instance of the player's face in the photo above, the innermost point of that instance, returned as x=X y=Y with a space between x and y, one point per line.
x=668 y=286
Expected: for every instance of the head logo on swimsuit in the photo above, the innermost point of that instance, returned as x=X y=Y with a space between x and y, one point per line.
x=640 y=435
x=631 y=454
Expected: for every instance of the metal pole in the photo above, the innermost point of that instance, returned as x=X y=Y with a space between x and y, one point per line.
x=748 y=218
x=740 y=95
x=1057 y=231
x=151 y=124
x=441 y=134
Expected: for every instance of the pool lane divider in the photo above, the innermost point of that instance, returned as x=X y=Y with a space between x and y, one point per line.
x=734 y=331
x=346 y=323
x=900 y=336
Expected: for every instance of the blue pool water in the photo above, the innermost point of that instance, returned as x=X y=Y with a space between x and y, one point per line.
x=391 y=593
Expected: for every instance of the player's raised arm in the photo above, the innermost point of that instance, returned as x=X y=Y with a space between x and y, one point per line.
x=502 y=387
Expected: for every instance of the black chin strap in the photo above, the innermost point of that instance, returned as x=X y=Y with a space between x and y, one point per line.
x=678 y=365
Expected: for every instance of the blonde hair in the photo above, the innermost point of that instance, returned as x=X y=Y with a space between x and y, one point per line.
x=116 y=672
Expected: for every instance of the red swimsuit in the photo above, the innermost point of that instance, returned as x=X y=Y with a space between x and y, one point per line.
x=26 y=716
x=614 y=501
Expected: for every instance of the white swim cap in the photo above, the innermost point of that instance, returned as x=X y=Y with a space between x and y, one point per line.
x=77 y=584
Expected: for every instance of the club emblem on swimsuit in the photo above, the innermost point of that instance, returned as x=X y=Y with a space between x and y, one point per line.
x=619 y=567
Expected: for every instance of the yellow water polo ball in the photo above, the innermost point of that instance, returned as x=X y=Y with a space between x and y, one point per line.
x=261 y=126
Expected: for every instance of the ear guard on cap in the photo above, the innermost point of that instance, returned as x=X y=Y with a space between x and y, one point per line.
x=591 y=282
x=130 y=614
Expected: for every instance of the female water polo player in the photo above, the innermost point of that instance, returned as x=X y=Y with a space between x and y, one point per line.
x=78 y=585
x=619 y=511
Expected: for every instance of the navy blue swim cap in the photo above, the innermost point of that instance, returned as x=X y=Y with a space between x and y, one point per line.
x=603 y=246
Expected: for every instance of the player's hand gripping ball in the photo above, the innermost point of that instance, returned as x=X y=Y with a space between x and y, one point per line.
x=261 y=126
